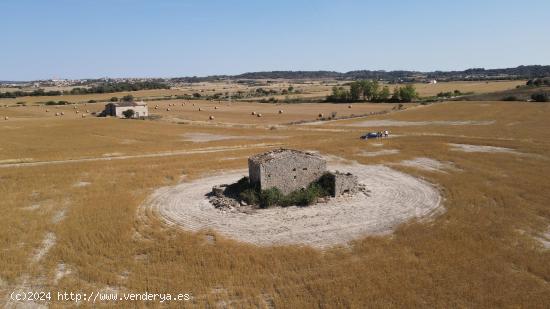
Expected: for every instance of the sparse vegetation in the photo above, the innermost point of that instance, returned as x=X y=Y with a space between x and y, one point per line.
x=538 y=82
x=101 y=88
x=57 y=103
x=510 y=98
x=129 y=113
x=540 y=97
x=128 y=98
x=369 y=91
x=244 y=191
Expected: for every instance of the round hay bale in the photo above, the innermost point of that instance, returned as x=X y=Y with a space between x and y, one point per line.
x=349 y=106
x=211 y=117
x=253 y=113
x=215 y=107
x=87 y=111
x=74 y=107
x=62 y=113
x=320 y=115
x=77 y=112
x=182 y=104
x=57 y=114
x=259 y=115
x=167 y=109
x=200 y=109
x=6 y=118
x=83 y=115
x=47 y=111
x=280 y=111
x=156 y=107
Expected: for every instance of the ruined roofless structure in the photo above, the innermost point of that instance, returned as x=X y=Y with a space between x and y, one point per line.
x=286 y=169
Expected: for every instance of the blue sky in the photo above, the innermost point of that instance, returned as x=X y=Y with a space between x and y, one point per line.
x=165 y=38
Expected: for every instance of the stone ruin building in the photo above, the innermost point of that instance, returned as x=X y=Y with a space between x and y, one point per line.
x=287 y=170
x=290 y=170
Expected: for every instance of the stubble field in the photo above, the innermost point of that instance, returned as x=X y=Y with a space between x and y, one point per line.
x=71 y=191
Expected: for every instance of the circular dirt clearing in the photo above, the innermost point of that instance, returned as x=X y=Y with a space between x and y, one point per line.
x=393 y=198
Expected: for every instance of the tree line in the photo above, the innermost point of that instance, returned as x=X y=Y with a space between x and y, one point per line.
x=35 y=93
x=538 y=82
x=371 y=91
x=519 y=72
x=100 y=88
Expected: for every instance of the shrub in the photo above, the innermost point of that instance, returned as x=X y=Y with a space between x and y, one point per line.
x=57 y=103
x=510 y=98
x=303 y=197
x=250 y=196
x=270 y=197
x=113 y=99
x=540 y=97
x=128 y=98
x=92 y=101
x=129 y=113
x=244 y=191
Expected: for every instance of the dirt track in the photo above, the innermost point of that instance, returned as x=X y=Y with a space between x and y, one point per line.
x=394 y=198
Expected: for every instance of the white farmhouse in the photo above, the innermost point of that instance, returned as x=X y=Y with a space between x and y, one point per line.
x=116 y=109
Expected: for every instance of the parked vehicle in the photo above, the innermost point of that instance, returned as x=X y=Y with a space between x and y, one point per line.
x=370 y=135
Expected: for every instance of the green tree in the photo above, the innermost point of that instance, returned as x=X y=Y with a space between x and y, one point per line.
x=339 y=94
x=395 y=97
x=384 y=94
x=129 y=113
x=128 y=98
x=407 y=93
x=370 y=89
x=356 y=90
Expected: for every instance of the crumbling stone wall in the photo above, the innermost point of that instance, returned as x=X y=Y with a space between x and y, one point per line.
x=286 y=169
x=344 y=183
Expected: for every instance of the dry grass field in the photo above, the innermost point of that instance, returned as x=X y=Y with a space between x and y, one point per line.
x=71 y=190
x=306 y=90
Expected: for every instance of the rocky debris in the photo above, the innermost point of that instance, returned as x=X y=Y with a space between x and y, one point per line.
x=218 y=190
x=224 y=202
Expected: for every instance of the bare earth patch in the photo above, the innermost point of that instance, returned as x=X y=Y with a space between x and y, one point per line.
x=393 y=198
x=428 y=164
x=32 y=207
x=59 y=215
x=208 y=137
x=398 y=123
x=61 y=271
x=81 y=184
x=544 y=239
x=481 y=148
x=47 y=244
x=12 y=161
x=147 y=155
x=379 y=152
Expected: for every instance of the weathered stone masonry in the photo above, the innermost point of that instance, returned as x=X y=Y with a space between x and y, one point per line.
x=286 y=169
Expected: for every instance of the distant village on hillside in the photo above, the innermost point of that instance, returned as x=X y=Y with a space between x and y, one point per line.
x=520 y=72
